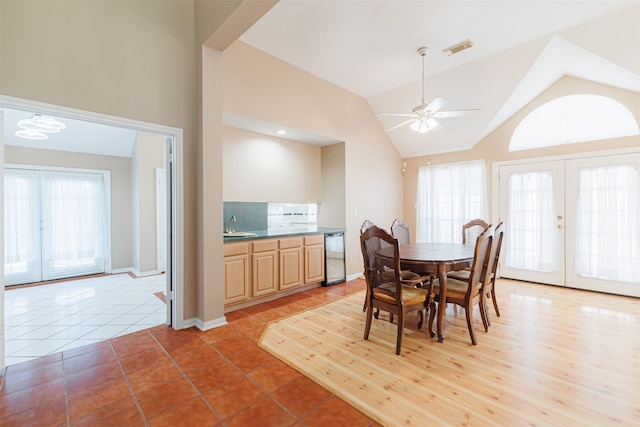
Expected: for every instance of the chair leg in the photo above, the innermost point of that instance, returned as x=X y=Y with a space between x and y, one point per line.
x=400 y=332
x=472 y=332
x=484 y=312
x=367 y=326
x=495 y=302
x=421 y=321
x=432 y=315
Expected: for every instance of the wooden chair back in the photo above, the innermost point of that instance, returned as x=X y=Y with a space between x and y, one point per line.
x=472 y=229
x=400 y=231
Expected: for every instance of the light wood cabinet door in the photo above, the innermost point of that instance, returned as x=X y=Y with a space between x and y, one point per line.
x=236 y=278
x=313 y=264
x=291 y=268
x=265 y=273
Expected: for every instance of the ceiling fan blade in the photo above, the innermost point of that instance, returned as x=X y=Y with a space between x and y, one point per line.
x=397 y=114
x=436 y=104
x=406 y=122
x=455 y=113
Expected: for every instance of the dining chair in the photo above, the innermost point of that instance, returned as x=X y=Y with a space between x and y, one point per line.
x=389 y=295
x=366 y=224
x=400 y=231
x=472 y=229
x=467 y=293
x=494 y=259
x=490 y=286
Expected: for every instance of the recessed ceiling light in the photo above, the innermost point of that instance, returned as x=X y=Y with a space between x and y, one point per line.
x=281 y=132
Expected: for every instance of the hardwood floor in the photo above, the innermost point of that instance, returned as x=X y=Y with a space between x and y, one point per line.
x=541 y=363
x=557 y=347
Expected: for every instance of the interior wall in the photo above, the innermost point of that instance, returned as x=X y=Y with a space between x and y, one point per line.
x=121 y=197
x=259 y=85
x=333 y=205
x=130 y=59
x=261 y=168
x=495 y=147
x=150 y=157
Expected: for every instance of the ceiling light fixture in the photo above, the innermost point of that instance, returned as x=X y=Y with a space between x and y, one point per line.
x=38 y=126
x=422 y=119
x=31 y=134
x=281 y=132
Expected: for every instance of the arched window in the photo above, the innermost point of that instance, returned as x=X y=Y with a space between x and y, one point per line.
x=573 y=118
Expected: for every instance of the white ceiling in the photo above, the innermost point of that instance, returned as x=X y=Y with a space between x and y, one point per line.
x=520 y=49
x=369 y=47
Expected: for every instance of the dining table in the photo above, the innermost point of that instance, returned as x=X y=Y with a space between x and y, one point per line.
x=434 y=259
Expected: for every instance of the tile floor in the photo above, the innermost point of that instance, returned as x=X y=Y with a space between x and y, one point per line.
x=163 y=377
x=46 y=319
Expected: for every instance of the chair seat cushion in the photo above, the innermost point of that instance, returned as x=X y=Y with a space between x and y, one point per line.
x=455 y=288
x=460 y=275
x=404 y=275
x=410 y=295
x=408 y=277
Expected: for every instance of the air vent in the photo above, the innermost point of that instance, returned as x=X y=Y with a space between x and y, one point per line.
x=459 y=47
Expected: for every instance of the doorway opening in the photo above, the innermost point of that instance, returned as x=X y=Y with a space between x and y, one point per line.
x=170 y=247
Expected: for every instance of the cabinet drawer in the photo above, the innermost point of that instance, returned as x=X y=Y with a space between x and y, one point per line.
x=231 y=249
x=265 y=245
x=316 y=239
x=293 y=242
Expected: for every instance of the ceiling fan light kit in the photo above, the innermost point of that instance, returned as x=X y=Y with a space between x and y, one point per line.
x=422 y=119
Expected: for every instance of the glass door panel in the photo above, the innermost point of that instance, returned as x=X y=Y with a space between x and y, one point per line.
x=532 y=207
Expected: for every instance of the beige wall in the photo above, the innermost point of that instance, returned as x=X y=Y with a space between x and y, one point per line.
x=131 y=59
x=148 y=156
x=333 y=209
x=261 y=86
x=121 y=197
x=495 y=147
x=260 y=168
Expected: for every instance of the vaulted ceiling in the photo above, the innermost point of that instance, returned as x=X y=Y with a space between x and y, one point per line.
x=369 y=47
x=520 y=48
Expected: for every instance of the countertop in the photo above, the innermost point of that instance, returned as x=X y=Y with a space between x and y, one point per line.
x=284 y=232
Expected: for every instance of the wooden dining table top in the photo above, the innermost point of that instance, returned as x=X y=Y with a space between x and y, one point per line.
x=432 y=252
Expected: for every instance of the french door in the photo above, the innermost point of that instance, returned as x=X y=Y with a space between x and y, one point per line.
x=573 y=222
x=55 y=225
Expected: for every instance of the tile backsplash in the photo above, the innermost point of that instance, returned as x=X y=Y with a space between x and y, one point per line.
x=249 y=216
x=253 y=216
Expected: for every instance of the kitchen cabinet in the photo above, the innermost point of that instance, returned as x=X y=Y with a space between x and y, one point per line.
x=314 y=258
x=265 y=262
x=259 y=268
x=236 y=272
x=291 y=263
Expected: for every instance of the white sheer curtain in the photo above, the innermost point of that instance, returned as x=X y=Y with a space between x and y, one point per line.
x=449 y=196
x=21 y=226
x=55 y=225
x=74 y=222
x=533 y=239
x=608 y=223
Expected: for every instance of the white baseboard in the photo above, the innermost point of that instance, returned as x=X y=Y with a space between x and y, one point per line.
x=215 y=323
x=187 y=323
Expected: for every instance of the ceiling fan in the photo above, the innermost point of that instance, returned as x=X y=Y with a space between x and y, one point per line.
x=423 y=118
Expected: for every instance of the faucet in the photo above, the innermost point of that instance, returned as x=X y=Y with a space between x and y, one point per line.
x=229 y=229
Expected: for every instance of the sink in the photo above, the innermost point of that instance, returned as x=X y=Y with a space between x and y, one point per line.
x=240 y=234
